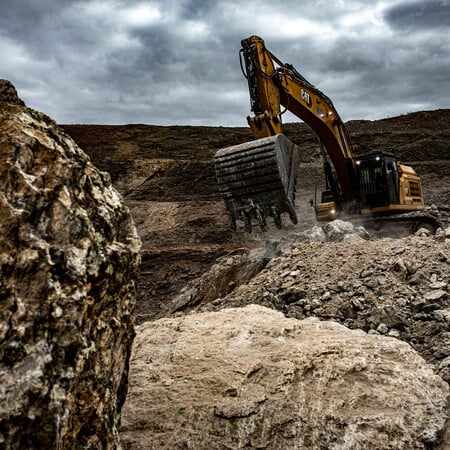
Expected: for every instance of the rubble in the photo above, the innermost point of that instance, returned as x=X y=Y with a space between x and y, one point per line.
x=396 y=287
x=334 y=231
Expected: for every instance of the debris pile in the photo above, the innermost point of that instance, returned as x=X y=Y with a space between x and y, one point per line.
x=394 y=287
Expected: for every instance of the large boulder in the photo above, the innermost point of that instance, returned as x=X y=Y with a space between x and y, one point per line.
x=68 y=258
x=252 y=378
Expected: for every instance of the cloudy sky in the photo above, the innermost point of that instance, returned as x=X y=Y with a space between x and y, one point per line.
x=167 y=62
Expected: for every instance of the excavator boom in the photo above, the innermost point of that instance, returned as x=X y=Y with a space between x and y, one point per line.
x=273 y=84
x=258 y=179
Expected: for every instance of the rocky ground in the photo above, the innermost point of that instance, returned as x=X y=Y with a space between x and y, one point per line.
x=392 y=287
x=395 y=289
x=166 y=175
x=250 y=355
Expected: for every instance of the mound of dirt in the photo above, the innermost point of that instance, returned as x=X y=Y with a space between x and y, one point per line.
x=394 y=287
x=166 y=175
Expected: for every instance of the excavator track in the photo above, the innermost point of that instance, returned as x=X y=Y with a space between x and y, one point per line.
x=411 y=222
x=257 y=180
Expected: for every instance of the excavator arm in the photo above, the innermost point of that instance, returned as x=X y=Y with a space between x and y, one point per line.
x=273 y=84
x=257 y=179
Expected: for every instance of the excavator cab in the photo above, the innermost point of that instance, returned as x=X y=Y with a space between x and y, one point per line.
x=386 y=186
x=378 y=181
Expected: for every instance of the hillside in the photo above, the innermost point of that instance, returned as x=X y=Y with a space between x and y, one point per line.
x=166 y=175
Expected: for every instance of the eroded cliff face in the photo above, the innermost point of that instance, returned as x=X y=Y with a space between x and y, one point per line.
x=68 y=259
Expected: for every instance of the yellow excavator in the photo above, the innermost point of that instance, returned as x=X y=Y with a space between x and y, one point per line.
x=257 y=179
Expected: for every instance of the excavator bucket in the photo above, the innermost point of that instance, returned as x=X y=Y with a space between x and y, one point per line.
x=257 y=179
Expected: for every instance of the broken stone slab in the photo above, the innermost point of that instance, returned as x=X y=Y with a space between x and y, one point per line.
x=423 y=232
x=229 y=272
x=436 y=294
x=438 y=285
x=447 y=233
x=442 y=314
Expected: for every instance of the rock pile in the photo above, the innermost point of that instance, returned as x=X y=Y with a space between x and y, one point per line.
x=241 y=265
x=394 y=287
x=236 y=268
x=68 y=258
x=335 y=231
x=252 y=378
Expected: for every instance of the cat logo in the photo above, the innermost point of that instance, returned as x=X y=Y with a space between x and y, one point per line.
x=305 y=96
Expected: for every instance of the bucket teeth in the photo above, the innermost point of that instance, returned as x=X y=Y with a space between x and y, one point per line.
x=257 y=179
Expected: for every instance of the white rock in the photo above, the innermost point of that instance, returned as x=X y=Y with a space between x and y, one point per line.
x=435 y=295
x=252 y=378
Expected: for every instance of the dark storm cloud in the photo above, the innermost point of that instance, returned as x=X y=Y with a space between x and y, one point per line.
x=32 y=22
x=423 y=14
x=176 y=61
x=196 y=9
x=383 y=76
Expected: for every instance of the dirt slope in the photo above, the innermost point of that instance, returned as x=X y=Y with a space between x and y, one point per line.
x=166 y=175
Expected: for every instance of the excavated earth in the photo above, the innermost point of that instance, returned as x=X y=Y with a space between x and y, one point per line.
x=166 y=175
x=387 y=285
x=393 y=287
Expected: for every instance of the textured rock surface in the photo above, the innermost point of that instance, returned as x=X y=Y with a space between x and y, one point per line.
x=68 y=257
x=232 y=270
x=251 y=378
x=8 y=94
